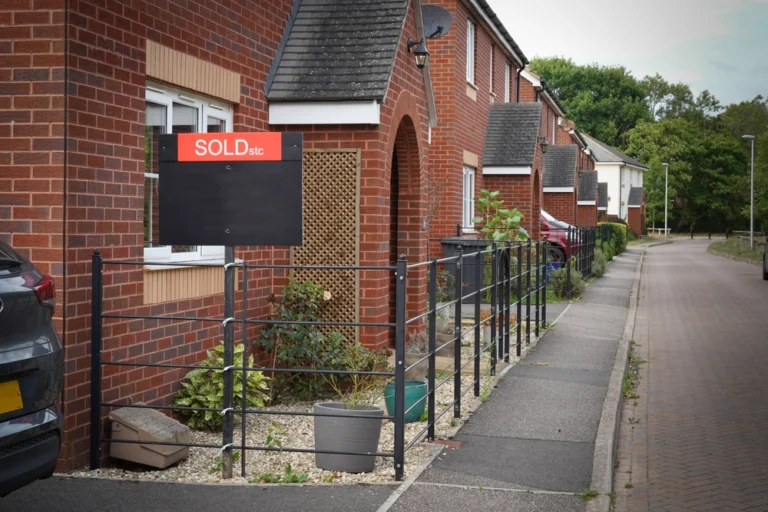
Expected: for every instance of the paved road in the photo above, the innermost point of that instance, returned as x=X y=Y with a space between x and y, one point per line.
x=697 y=438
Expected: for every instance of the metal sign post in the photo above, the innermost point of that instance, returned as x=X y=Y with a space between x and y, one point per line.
x=230 y=189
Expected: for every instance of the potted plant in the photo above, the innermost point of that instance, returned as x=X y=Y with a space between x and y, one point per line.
x=352 y=426
x=415 y=402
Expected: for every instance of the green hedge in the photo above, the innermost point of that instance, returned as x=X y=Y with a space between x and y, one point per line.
x=618 y=237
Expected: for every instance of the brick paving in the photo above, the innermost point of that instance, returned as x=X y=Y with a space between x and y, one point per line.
x=696 y=439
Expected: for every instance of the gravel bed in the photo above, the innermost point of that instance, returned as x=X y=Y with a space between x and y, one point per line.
x=298 y=432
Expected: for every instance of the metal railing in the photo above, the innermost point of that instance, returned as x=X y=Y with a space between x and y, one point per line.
x=515 y=285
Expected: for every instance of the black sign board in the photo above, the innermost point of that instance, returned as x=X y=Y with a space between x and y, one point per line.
x=232 y=189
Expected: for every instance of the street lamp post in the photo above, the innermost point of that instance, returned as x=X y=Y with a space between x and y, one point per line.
x=751 y=195
x=666 y=196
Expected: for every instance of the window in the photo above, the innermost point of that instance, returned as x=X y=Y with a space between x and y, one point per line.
x=173 y=111
x=490 y=81
x=470 y=52
x=468 y=200
x=554 y=129
x=506 y=82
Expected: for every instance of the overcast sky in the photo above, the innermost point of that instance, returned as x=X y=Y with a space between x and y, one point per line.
x=720 y=45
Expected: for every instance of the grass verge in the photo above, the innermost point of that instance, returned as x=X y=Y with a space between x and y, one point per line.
x=737 y=247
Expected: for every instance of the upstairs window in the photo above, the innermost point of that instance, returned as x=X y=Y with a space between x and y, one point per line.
x=470 y=52
x=506 y=82
x=173 y=111
x=490 y=82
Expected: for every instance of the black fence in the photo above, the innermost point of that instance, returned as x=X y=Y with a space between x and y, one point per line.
x=572 y=251
x=508 y=303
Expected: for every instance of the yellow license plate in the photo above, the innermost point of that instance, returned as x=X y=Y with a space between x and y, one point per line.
x=10 y=397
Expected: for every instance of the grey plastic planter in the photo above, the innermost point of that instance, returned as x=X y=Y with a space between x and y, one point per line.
x=353 y=433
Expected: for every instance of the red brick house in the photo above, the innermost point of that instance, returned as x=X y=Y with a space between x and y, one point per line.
x=474 y=66
x=586 y=214
x=85 y=94
x=561 y=182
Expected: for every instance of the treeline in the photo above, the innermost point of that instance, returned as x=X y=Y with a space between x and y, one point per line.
x=656 y=121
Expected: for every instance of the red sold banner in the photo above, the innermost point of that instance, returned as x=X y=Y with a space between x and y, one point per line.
x=220 y=147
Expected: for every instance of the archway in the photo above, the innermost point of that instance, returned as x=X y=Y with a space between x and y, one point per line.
x=407 y=208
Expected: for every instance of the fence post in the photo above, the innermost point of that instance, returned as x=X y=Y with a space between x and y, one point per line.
x=545 y=255
x=494 y=346
x=229 y=361
x=538 y=285
x=569 y=242
x=519 y=322
x=528 y=296
x=457 y=333
x=432 y=346
x=479 y=272
x=96 y=311
x=402 y=269
x=244 y=376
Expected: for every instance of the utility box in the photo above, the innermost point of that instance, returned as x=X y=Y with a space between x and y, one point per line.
x=148 y=425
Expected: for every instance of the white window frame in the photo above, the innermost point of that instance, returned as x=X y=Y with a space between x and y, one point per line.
x=554 y=129
x=470 y=52
x=468 y=200
x=490 y=86
x=507 y=77
x=206 y=107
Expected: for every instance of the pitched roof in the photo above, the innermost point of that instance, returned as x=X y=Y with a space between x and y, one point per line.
x=635 y=196
x=513 y=130
x=602 y=195
x=560 y=165
x=588 y=186
x=605 y=153
x=337 y=50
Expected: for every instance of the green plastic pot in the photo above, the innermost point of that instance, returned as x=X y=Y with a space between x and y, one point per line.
x=415 y=390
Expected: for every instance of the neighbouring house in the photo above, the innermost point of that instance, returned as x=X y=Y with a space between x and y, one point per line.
x=620 y=172
x=636 y=211
x=474 y=66
x=533 y=88
x=602 y=199
x=512 y=159
x=587 y=199
x=111 y=77
x=561 y=182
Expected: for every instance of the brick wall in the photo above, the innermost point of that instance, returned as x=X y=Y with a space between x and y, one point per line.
x=586 y=215
x=462 y=119
x=31 y=129
x=561 y=206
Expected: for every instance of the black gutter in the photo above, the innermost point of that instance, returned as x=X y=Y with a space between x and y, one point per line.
x=519 y=72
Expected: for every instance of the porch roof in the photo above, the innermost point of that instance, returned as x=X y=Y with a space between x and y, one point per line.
x=560 y=165
x=334 y=50
x=602 y=195
x=513 y=129
x=588 y=186
x=635 y=196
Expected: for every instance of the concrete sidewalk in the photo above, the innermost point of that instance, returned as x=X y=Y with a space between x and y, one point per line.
x=531 y=446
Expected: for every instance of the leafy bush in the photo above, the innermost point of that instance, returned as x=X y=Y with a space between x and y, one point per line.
x=599 y=263
x=498 y=224
x=618 y=236
x=300 y=346
x=204 y=388
x=559 y=280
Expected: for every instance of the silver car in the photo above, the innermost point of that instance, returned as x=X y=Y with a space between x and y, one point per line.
x=31 y=373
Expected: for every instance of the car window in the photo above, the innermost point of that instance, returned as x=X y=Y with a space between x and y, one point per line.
x=8 y=261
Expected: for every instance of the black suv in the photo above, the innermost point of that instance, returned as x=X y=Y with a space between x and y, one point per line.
x=31 y=373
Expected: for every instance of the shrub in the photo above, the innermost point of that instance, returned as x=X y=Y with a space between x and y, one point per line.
x=618 y=236
x=204 y=388
x=300 y=346
x=599 y=263
x=559 y=279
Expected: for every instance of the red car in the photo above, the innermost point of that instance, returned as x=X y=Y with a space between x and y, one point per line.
x=556 y=233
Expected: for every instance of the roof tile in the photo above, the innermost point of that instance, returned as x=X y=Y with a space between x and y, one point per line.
x=511 y=139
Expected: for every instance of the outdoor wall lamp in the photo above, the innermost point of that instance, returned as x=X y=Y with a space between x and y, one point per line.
x=420 y=52
x=544 y=144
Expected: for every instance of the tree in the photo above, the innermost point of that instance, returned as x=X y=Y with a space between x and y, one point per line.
x=604 y=101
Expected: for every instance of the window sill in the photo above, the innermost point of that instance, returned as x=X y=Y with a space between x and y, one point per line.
x=196 y=263
x=470 y=84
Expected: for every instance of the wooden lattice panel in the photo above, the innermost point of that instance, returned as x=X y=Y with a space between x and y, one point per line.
x=331 y=230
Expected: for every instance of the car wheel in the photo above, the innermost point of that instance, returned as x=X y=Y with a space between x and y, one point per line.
x=556 y=254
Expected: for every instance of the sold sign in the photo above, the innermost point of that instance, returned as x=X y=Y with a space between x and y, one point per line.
x=220 y=147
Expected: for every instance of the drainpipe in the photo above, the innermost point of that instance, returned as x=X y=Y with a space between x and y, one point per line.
x=519 y=70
